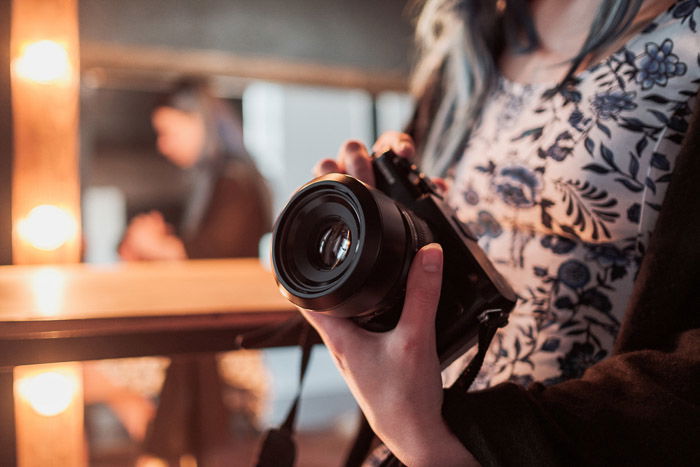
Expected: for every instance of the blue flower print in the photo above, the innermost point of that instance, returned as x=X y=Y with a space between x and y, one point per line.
x=471 y=197
x=606 y=254
x=485 y=225
x=558 y=245
x=581 y=356
x=608 y=105
x=574 y=273
x=576 y=118
x=517 y=186
x=563 y=146
x=634 y=212
x=491 y=226
x=596 y=299
x=659 y=64
x=521 y=380
x=685 y=10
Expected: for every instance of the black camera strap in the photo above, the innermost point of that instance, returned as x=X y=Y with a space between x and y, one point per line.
x=489 y=322
x=278 y=448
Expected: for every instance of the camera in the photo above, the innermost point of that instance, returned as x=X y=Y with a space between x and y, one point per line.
x=343 y=248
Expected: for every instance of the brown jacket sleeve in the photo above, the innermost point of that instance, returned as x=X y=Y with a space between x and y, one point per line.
x=642 y=405
x=238 y=215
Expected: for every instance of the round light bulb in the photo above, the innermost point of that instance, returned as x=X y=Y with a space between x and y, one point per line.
x=48 y=393
x=47 y=227
x=44 y=62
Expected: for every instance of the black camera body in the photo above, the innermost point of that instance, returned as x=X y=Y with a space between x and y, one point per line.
x=343 y=248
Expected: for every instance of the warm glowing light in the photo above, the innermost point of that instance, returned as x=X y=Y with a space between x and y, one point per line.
x=47 y=227
x=44 y=62
x=48 y=285
x=48 y=393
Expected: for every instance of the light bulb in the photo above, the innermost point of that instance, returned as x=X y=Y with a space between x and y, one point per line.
x=43 y=62
x=47 y=227
x=48 y=393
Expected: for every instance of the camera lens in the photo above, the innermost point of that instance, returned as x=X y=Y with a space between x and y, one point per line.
x=344 y=248
x=334 y=244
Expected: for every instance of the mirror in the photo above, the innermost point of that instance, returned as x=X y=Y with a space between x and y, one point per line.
x=303 y=76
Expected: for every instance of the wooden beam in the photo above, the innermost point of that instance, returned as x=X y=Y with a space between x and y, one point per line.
x=106 y=64
x=50 y=420
x=5 y=138
x=8 y=444
x=82 y=312
x=45 y=184
x=45 y=73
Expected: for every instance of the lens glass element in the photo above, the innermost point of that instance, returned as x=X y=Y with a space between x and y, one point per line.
x=333 y=244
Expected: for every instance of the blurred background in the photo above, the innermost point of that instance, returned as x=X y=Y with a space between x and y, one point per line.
x=303 y=75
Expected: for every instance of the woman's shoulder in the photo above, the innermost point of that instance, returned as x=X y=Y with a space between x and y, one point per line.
x=240 y=179
x=239 y=171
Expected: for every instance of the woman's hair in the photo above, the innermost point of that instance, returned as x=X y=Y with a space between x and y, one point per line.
x=223 y=128
x=458 y=44
x=223 y=155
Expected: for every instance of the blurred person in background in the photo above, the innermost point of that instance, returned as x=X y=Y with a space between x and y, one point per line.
x=227 y=208
x=226 y=212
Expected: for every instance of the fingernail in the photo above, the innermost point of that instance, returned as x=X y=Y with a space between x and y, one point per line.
x=431 y=257
x=352 y=146
x=327 y=166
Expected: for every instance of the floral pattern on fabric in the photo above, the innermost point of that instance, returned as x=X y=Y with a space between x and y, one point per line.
x=564 y=186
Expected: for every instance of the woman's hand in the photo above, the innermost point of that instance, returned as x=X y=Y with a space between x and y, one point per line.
x=149 y=237
x=395 y=375
x=354 y=159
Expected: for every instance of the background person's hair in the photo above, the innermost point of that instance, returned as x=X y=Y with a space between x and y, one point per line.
x=223 y=152
x=460 y=41
x=223 y=128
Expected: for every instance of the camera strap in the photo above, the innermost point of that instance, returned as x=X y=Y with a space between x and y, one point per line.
x=489 y=322
x=278 y=448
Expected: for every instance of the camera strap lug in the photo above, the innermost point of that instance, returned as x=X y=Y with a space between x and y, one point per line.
x=489 y=322
x=495 y=317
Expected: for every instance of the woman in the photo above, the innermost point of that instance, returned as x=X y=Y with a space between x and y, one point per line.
x=559 y=126
x=227 y=209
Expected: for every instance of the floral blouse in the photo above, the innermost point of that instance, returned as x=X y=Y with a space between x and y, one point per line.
x=564 y=188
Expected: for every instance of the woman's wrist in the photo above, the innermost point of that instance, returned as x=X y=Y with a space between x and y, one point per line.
x=428 y=444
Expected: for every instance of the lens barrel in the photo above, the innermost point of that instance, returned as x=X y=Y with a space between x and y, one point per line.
x=344 y=248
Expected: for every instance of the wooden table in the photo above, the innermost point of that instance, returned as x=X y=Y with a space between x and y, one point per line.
x=83 y=312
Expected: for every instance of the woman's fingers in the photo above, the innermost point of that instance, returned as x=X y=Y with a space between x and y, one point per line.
x=422 y=296
x=353 y=156
x=400 y=143
x=326 y=166
x=354 y=159
x=337 y=333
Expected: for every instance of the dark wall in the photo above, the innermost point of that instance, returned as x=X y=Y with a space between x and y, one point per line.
x=361 y=33
x=5 y=138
